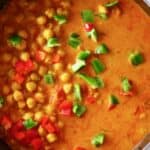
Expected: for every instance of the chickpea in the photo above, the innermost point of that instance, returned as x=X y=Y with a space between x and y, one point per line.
x=31 y=86
x=67 y=88
x=24 y=56
x=48 y=49
x=9 y=99
x=49 y=13
x=23 y=34
x=49 y=109
x=47 y=33
x=6 y=89
x=53 y=118
x=6 y=57
x=15 y=86
x=58 y=67
x=40 y=40
x=21 y=104
x=42 y=70
x=65 y=77
x=27 y=115
x=30 y=102
x=60 y=124
x=41 y=20
x=51 y=137
x=17 y=95
x=61 y=52
x=34 y=77
x=41 y=131
x=39 y=97
x=38 y=115
x=102 y=9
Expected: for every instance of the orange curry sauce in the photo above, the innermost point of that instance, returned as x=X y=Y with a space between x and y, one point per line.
x=74 y=74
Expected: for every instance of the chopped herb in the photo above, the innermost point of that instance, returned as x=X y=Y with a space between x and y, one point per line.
x=113 y=101
x=79 y=110
x=83 y=55
x=126 y=85
x=87 y=15
x=1 y=101
x=15 y=40
x=98 y=66
x=61 y=19
x=94 y=82
x=93 y=35
x=98 y=140
x=111 y=3
x=53 y=42
x=74 y=40
x=78 y=65
x=136 y=58
x=77 y=92
x=103 y=16
x=29 y=124
x=48 y=78
x=102 y=49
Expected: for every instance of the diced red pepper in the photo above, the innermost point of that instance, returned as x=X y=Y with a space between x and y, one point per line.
x=48 y=125
x=111 y=106
x=39 y=56
x=19 y=78
x=24 y=67
x=56 y=58
x=79 y=148
x=88 y=27
x=6 y=122
x=61 y=96
x=65 y=108
x=90 y=99
x=130 y=93
x=19 y=135
x=37 y=144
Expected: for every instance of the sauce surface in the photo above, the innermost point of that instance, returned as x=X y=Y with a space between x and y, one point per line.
x=125 y=31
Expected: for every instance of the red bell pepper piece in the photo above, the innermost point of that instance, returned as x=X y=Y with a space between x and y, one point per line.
x=37 y=144
x=61 y=96
x=19 y=78
x=90 y=99
x=56 y=58
x=48 y=125
x=79 y=148
x=65 y=108
x=20 y=135
x=39 y=56
x=6 y=122
x=88 y=27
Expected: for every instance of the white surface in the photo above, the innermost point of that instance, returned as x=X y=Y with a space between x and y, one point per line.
x=148 y=3
x=147 y=147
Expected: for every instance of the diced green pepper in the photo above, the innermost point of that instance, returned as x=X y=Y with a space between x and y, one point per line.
x=29 y=123
x=94 y=82
x=87 y=15
x=103 y=16
x=93 y=35
x=79 y=110
x=2 y=101
x=61 y=19
x=136 y=58
x=111 y=3
x=98 y=140
x=53 y=42
x=48 y=78
x=74 y=40
x=15 y=40
x=102 y=49
x=78 y=65
x=83 y=55
x=126 y=85
x=98 y=66
x=77 y=92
